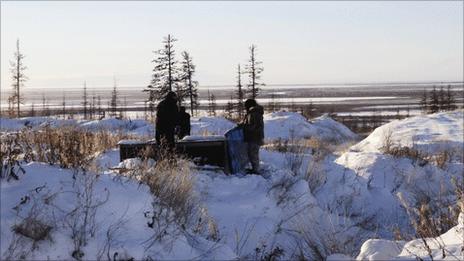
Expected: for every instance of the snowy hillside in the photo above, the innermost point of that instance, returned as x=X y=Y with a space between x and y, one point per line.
x=278 y=125
x=291 y=125
x=307 y=203
x=430 y=133
x=448 y=246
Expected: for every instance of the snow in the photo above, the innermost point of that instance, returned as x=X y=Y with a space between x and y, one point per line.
x=125 y=208
x=380 y=249
x=131 y=127
x=204 y=126
x=345 y=205
x=447 y=246
x=204 y=138
x=292 y=125
x=306 y=100
x=428 y=133
x=130 y=142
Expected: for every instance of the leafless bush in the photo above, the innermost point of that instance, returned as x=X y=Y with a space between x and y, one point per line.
x=206 y=225
x=34 y=223
x=68 y=146
x=440 y=159
x=282 y=188
x=242 y=237
x=280 y=145
x=272 y=255
x=113 y=231
x=315 y=173
x=171 y=182
x=81 y=220
x=10 y=157
x=432 y=217
x=33 y=229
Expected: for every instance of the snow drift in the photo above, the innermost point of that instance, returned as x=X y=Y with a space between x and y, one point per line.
x=292 y=125
x=326 y=207
x=430 y=134
x=448 y=246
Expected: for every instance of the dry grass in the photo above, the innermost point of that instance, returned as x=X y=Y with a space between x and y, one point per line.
x=170 y=180
x=68 y=146
x=10 y=157
x=440 y=158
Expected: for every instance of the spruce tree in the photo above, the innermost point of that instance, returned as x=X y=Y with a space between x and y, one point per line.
x=254 y=69
x=423 y=102
x=239 y=93
x=189 y=86
x=99 y=108
x=32 y=114
x=442 y=99
x=93 y=105
x=434 y=101
x=85 y=102
x=272 y=103
x=114 y=101
x=11 y=110
x=211 y=104
x=18 y=77
x=165 y=73
x=63 y=106
x=450 y=100
x=229 y=109
x=45 y=108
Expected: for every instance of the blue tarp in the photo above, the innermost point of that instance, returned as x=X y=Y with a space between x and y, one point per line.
x=237 y=150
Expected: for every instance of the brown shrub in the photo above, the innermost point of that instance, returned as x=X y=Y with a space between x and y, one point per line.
x=68 y=146
x=33 y=229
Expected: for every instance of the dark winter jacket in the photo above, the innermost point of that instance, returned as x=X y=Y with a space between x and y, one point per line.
x=253 y=125
x=167 y=118
x=184 y=124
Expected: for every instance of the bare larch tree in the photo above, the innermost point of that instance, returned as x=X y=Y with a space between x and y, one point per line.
x=18 y=77
x=85 y=101
x=239 y=93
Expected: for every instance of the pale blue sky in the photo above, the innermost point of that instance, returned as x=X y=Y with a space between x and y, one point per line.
x=66 y=43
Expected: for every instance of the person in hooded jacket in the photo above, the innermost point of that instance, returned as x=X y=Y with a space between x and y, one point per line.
x=184 y=123
x=167 y=118
x=253 y=130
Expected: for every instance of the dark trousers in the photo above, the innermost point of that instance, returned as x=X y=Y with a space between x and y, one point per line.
x=253 y=155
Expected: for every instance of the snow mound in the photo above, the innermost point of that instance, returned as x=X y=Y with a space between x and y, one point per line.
x=210 y=126
x=136 y=127
x=427 y=133
x=382 y=187
x=447 y=246
x=288 y=125
x=123 y=203
x=32 y=122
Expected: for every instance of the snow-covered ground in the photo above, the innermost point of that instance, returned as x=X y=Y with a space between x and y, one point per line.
x=448 y=246
x=290 y=125
x=326 y=206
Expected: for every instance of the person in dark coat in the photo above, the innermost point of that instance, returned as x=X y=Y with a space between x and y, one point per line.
x=167 y=117
x=253 y=130
x=184 y=123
